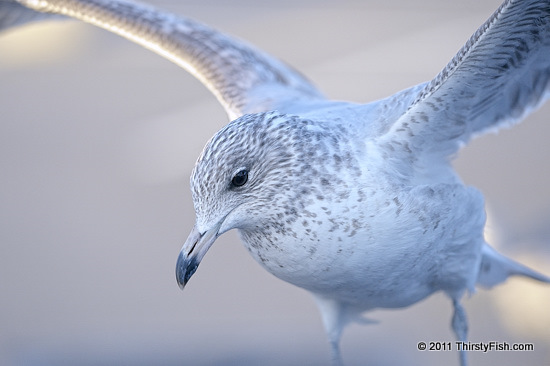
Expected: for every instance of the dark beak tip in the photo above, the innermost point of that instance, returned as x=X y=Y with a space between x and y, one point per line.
x=181 y=278
x=181 y=285
x=185 y=268
x=181 y=269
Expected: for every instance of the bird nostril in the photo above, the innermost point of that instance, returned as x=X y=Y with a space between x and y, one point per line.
x=193 y=247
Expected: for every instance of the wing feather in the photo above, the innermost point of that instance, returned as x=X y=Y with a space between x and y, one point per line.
x=501 y=74
x=244 y=79
x=13 y=14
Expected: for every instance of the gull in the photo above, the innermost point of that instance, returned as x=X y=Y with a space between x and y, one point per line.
x=356 y=203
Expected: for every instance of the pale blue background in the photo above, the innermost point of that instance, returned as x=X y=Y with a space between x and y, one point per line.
x=97 y=141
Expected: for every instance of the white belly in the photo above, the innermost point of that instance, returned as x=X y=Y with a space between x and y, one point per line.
x=381 y=252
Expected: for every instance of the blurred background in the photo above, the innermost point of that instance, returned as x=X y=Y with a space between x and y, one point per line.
x=98 y=138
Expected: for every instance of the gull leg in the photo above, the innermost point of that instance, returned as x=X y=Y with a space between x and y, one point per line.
x=460 y=328
x=333 y=316
x=335 y=353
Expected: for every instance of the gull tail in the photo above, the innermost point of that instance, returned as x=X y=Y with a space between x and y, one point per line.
x=496 y=268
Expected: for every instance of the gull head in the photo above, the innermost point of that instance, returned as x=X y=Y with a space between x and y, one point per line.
x=241 y=181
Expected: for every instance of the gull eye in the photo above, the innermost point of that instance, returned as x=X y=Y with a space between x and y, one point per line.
x=240 y=178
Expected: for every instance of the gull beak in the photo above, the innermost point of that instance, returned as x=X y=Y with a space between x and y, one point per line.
x=193 y=251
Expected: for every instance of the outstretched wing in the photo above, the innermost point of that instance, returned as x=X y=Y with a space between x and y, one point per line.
x=500 y=75
x=13 y=14
x=244 y=79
